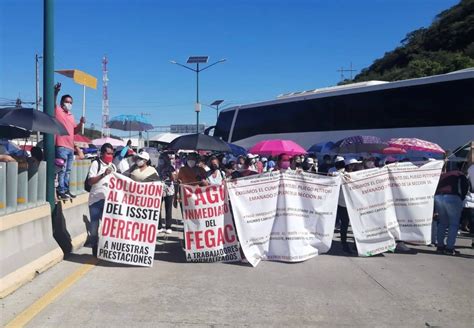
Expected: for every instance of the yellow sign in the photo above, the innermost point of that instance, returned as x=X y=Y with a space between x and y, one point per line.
x=79 y=77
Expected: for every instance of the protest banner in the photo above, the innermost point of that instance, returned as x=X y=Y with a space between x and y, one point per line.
x=413 y=189
x=254 y=203
x=128 y=230
x=305 y=216
x=369 y=201
x=209 y=232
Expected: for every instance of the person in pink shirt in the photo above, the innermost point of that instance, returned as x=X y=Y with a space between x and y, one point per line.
x=65 y=144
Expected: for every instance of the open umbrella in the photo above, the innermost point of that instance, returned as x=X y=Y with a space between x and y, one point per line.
x=129 y=123
x=322 y=147
x=13 y=132
x=81 y=141
x=415 y=144
x=112 y=141
x=359 y=144
x=237 y=150
x=276 y=147
x=393 y=151
x=198 y=141
x=32 y=120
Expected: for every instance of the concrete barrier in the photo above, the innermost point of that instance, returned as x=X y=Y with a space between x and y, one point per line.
x=27 y=244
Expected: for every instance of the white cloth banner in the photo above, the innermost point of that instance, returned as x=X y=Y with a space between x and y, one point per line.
x=369 y=202
x=413 y=189
x=288 y=217
x=305 y=217
x=393 y=202
x=209 y=232
x=129 y=222
x=254 y=203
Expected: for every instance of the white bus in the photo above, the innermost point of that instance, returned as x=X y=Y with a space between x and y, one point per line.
x=437 y=108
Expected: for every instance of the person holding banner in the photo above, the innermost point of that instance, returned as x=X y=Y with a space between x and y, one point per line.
x=215 y=176
x=98 y=170
x=452 y=189
x=166 y=172
x=191 y=173
x=142 y=171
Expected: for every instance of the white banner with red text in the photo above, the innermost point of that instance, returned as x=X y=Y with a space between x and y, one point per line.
x=209 y=232
x=129 y=222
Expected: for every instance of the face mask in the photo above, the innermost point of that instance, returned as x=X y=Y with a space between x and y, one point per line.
x=284 y=165
x=191 y=163
x=68 y=106
x=253 y=161
x=370 y=164
x=107 y=158
x=161 y=162
x=141 y=162
x=239 y=166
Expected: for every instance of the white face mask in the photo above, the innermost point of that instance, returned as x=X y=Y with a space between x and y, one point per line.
x=370 y=164
x=191 y=163
x=141 y=162
x=68 y=106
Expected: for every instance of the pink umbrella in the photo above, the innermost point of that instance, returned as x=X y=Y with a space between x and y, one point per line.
x=112 y=141
x=276 y=147
x=415 y=145
x=393 y=150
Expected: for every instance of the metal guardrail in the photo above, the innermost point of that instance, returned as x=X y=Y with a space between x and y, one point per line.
x=23 y=185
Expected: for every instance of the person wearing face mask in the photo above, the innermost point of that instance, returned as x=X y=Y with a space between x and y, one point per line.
x=215 y=176
x=309 y=165
x=284 y=163
x=192 y=173
x=240 y=162
x=98 y=170
x=167 y=174
x=142 y=171
x=65 y=144
x=326 y=165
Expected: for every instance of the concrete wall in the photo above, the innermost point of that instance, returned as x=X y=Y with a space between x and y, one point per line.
x=27 y=246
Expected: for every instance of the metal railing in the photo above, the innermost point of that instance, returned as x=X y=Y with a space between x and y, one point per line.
x=23 y=184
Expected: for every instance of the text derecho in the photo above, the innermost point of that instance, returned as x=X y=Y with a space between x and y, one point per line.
x=129 y=221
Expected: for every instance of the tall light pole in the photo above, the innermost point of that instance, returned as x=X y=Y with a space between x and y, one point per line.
x=38 y=98
x=217 y=103
x=197 y=60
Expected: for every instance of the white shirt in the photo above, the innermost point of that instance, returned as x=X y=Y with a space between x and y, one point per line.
x=217 y=180
x=98 y=190
x=469 y=200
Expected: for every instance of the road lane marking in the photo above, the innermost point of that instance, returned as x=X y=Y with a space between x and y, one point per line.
x=34 y=309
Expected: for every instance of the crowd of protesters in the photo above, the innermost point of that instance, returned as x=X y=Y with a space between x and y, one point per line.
x=453 y=193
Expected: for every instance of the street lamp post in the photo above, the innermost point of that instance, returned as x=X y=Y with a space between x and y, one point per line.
x=217 y=103
x=197 y=60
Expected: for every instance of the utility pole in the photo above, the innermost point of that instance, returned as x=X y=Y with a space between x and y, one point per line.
x=342 y=70
x=48 y=95
x=38 y=98
x=105 y=98
x=147 y=134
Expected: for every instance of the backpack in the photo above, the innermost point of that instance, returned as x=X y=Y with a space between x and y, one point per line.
x=87 y=186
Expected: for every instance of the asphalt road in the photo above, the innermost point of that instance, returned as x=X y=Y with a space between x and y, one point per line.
x=391 y=290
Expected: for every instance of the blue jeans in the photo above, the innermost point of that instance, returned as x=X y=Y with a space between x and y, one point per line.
x=63 y=176
x=95 y=211
x=449 y=208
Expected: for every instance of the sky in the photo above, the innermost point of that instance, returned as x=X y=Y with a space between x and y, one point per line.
x=270 y=47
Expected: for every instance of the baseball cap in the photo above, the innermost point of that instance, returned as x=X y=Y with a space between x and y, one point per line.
x=339 y=159
x=309 y=160
x=143 y=155
x=349 y=161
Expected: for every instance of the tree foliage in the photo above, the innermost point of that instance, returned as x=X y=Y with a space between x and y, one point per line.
x=446 y=46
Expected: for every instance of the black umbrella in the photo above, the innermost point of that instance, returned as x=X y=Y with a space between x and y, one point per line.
x=12 y=132
x=199 y=141
x=32 y=120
